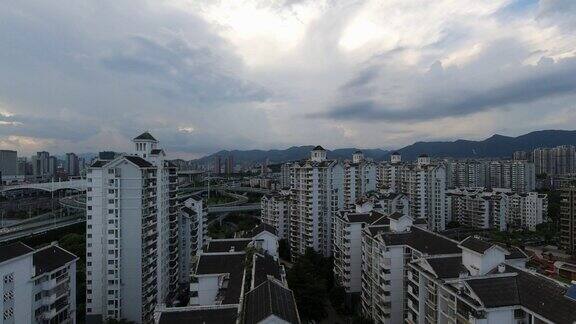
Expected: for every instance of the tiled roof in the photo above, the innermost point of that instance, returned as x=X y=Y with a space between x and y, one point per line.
x=423 y=241
x=51 y=258
x=395 y=215
x=13 y=250
x=145 y=136
x=496 y=292
x=263 y=227
x=381 y=220
x=201 y=316
x=270 y=299
x=99 y=163
x=446 y=268
x=226 y=245
x=140 y=162
x=538 y=294
x=476 y=245
x=232 y=264
x=318 y=148
x=264 y=266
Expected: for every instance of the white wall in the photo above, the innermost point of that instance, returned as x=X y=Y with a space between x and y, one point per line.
x=207 y=289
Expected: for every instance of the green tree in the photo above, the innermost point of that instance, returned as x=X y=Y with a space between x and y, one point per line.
x=284 y=249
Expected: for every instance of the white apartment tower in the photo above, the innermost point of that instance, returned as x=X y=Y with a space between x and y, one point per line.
x=275 y=211
x=316 y=196
x=426 y=188
x=359 y=178
x=131 y=234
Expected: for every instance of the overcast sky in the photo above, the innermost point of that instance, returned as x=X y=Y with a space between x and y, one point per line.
x=205 y=75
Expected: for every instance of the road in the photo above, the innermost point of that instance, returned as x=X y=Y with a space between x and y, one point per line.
x=20 y=231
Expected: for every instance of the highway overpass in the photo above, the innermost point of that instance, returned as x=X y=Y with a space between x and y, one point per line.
x=79 y=184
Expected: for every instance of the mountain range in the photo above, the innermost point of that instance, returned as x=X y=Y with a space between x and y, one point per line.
x=494 y=146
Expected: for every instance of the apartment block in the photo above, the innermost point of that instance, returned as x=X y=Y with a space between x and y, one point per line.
x=192 y=235
x=38 y=285
x=275 y=211
x=132 y=224
x=483 y=283
x=568 y=217
x=359 y=178
x=560 y=160
x=316 y=196
x=237 y=281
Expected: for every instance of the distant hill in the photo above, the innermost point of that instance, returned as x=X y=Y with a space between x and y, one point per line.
x=494 y=146
x=291 y=154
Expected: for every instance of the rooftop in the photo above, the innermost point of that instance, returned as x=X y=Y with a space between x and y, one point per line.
x=226 y=245
x=270 y=298
x=263 y=227
x=264 y=266
x=140 y=162
x=318 y=148
x=448 y=267
x=14 y=250
x=51 y=258
x=225 y=263
x=537 y=293
x=145 y=136
x=200 y=315
x=423 y=241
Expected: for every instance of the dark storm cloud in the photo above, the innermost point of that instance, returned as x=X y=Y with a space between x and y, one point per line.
x=546 y=80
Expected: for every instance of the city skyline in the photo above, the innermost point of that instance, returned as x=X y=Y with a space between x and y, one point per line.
x=205 y=75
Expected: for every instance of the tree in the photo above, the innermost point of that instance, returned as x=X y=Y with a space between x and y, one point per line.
x=284 y=249
x=307 y=279
x=338 y=300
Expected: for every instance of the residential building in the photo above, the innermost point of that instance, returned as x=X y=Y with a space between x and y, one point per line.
x=72 y=165
x=411 y=275
x=38 y=285
x=192 y=235
x=359 y=178
x=568 y=217
x=526 y=210
x=8 y=163
x=483 y=283
x=229 y=289
x=41 y=165
x=390 y=175
x=285 y=171
x=478 y=207
x=426 y=188
x=131 y=234
x=217 y=165
x=275 y=211
x=316 y=194
x=465 y=173
x=348 y=226
x=560 y=160
x=52 y=166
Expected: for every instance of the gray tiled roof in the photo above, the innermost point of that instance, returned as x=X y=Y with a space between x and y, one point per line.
x=13 y=250
x=51 y=258
x=423 y=241
x=202 y=316
x=264 y=266
x=476 y=244
x=446 y=268
x=232 y=264
x=145 y=136
x=270 y=298
x=224 y=245
x=140 y=162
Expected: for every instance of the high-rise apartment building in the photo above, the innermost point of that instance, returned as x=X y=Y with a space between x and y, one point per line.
x=8 y=163
x=560 y=160
x=217 y=164
x=72 y=165
x=275 y=211
x=38 y=285
x=426 y=186
x=359 y=178
x=41 y=165
x=568 y=216
x=131 y=234
x=316 y=194
x=192 y=235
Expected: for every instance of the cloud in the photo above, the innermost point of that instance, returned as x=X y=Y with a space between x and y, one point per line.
x=459 y=97
x=205 y=75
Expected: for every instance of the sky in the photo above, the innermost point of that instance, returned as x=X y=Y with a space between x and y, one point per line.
x=206 y=75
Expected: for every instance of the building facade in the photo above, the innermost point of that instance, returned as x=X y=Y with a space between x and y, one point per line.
x=131 y=234
x=38 y=286
x=275 y=211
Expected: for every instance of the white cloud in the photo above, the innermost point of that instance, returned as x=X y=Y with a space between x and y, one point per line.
x=205 y=75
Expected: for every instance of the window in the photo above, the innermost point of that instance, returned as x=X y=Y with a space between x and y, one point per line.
x=9 y=278
x=38 y=296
